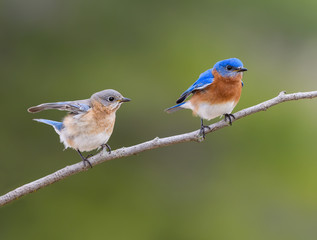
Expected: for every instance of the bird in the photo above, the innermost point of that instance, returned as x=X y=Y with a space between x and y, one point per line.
x=215 y=93
x=89 y=123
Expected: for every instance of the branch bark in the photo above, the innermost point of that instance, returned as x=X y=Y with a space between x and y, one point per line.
x=104 y=156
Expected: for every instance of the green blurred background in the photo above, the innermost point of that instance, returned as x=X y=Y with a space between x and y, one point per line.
x=254 y=180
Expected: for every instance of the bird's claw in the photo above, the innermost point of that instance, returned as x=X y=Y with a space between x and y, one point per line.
x=229 y=116
x=85 y=159
x=202 y=131
x=107 y=146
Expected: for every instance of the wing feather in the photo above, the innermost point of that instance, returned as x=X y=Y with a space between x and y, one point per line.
x=79 y=106
x=205 y=79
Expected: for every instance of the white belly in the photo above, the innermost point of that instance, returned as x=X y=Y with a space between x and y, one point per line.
x=86 y=142
x=211 y=111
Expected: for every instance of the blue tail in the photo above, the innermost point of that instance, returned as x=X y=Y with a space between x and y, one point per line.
x=174 y=108
x=56 y=125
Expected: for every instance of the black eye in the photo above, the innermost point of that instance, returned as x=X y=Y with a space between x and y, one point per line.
x=229 y=67
x=111 y=99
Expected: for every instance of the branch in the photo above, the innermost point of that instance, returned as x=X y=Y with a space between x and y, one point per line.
x=104 y=156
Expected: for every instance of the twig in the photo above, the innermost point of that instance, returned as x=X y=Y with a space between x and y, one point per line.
x=103 y=156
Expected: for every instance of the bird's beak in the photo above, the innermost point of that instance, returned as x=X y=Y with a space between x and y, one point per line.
x=241 y=69
x=125 y=99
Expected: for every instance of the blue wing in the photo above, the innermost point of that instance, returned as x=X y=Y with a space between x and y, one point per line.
x=205 y=79
x=77 y=106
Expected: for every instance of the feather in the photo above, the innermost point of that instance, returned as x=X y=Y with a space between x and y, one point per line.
x=174 y=108
x=205 y=79
x=79 y=106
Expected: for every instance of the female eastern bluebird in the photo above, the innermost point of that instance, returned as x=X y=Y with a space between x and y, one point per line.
x=89 y=123
x=215 y=93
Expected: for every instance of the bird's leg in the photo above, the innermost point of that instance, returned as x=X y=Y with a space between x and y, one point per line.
x=202 y=128
x=84 y=159
x=107 y=146
x=229 y=116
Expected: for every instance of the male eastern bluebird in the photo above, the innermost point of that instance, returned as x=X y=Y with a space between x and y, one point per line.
x=89 y=123
x=215 y=93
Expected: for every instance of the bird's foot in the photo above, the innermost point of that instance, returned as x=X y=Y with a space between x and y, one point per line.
x=107 y=146
x=202 y=131
x=229 y=117
x=85 y=159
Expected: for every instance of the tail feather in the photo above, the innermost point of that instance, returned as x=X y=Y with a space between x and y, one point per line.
x=175 y=108
x=56 y=125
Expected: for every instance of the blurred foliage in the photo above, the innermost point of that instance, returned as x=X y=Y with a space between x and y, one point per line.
x=254 y=180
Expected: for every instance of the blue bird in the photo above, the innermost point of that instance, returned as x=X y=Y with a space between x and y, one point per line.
x=90 y=122
x=215 y=93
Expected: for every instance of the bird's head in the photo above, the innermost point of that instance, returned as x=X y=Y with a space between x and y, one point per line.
x=109 y=98
x=231 y=67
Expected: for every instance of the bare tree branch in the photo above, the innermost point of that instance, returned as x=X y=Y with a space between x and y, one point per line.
x=104 y=156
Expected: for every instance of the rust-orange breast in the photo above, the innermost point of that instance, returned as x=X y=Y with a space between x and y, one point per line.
x=220 y=91
x=94 y=121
